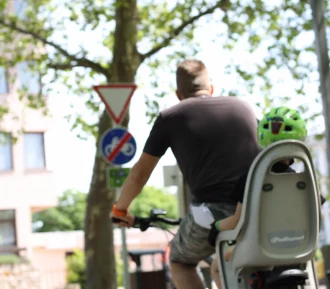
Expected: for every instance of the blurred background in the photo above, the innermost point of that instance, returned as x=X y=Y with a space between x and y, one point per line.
x=52 y=54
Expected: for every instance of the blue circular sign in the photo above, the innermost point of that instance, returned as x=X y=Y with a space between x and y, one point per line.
x=117 y=146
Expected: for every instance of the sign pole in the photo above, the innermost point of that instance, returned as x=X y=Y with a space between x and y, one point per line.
x=117 y=147
x=127 y=283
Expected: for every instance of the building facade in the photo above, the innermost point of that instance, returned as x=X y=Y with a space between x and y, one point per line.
x=26 y=183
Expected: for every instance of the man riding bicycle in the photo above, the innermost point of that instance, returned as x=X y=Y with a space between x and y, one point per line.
x=214 y=141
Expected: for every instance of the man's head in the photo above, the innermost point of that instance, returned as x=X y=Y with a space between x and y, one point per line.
x=192 y=79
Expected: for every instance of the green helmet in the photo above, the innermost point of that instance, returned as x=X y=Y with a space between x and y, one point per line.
x=281 y=123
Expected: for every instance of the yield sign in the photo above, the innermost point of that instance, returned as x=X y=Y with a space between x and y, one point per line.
x=116 y=98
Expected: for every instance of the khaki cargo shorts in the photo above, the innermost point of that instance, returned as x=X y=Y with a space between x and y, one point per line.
x=190 y=244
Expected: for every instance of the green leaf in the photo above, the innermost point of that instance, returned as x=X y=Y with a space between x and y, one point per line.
x=67 y=216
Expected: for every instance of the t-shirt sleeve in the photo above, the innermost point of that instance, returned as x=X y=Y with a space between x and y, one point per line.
x=239 y=189
x=158 y=141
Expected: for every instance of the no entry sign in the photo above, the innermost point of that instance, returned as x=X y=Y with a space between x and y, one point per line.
x=118 y=146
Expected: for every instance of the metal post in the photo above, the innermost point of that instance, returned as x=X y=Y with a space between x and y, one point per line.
x=127 y=284
x=126 y=278
x=173 y=177
x=323 y=67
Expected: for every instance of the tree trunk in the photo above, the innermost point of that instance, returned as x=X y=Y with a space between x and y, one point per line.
x=99 y=248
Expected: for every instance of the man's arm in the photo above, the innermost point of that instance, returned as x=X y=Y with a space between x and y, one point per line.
x=136 y=180
x=155 y=147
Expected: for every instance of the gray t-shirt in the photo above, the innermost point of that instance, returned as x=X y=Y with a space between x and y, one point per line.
x=214 y=140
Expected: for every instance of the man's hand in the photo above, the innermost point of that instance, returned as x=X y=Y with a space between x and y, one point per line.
x=126 y=221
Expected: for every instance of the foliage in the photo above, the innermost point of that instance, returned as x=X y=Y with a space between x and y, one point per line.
x=70 y=213
x=67 y=216
x=120 y=271
x=79 y=43
x=318 y=255
x=274 y=30
x=155 y=198
x=11 y=259
x=76 y=269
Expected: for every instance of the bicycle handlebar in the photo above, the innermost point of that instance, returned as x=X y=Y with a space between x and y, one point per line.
x=158 y=219
x=144 y=223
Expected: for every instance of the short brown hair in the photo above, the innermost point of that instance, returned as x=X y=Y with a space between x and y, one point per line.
x=191 y=77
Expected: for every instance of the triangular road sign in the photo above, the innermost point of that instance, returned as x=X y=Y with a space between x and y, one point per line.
x=116 y=98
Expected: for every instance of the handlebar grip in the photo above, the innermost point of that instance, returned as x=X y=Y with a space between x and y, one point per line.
x=116 y=220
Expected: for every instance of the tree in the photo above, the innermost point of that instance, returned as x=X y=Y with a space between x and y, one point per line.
x=133 y=33
x=76 y=269
x=150 y=198
x=155 y=198
x=69 y=215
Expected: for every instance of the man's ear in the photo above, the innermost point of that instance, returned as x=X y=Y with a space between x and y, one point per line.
x=179 y=95
x=211 y=89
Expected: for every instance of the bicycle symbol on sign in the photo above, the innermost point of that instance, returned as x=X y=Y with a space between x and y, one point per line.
x=127 y=149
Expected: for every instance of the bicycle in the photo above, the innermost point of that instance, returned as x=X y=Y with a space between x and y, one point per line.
x=281 y=277
x=143 y=224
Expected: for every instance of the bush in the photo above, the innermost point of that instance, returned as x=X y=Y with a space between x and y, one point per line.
x=76 y=269
x=120 y=271
x=155 y=198
x=11 y=259
x=318 y=255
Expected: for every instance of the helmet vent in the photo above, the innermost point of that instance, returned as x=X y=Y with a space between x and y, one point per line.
x=276 y=126
x=288 y=128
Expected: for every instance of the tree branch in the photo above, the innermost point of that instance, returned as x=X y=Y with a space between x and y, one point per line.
x=80 y=61
x=68 y=65
x=61 y=66
x=176 y=31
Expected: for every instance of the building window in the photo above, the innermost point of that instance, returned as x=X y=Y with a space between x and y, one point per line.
x=34 y=151
x=3 y=80
x=7 y=228
x=29 y=80
x=6 y=154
